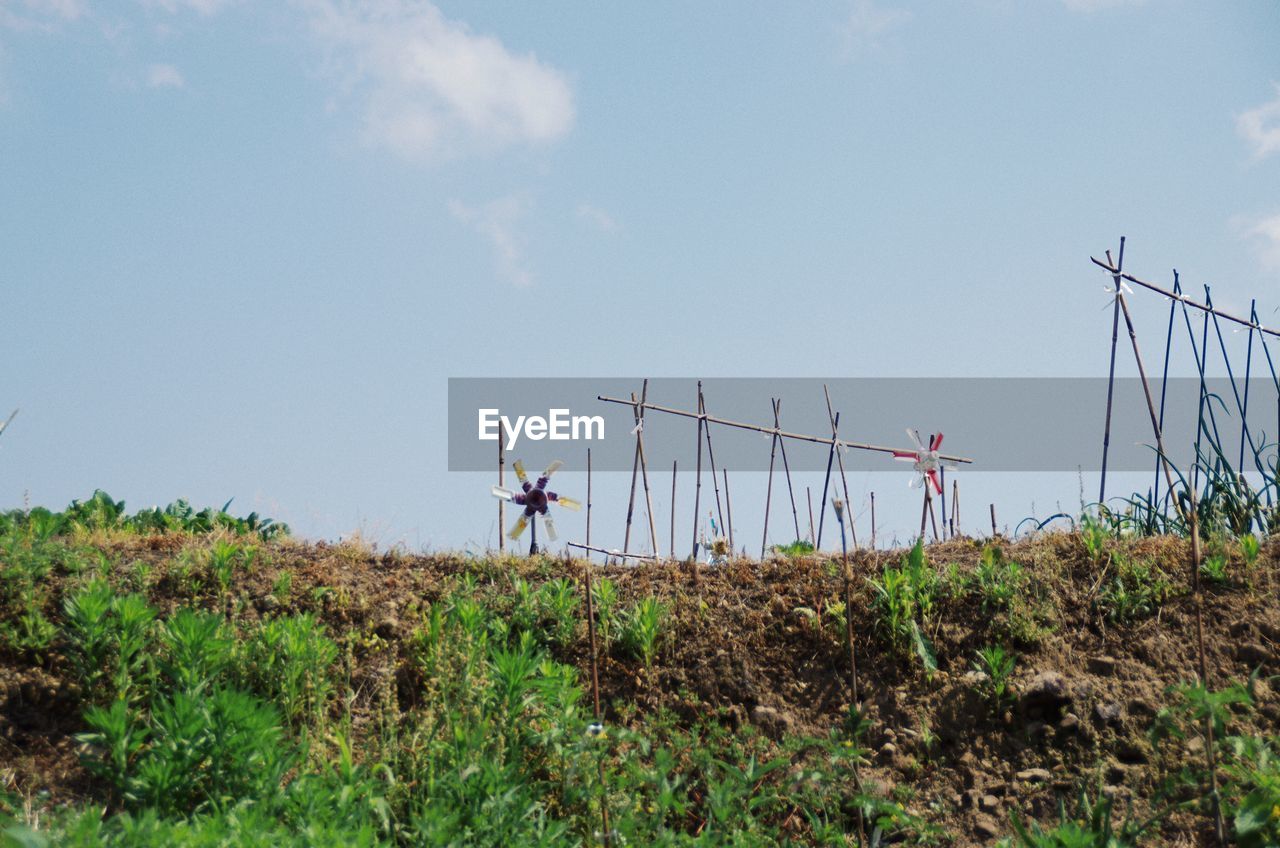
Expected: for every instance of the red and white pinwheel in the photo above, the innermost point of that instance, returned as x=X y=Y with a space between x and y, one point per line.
x=926 y=459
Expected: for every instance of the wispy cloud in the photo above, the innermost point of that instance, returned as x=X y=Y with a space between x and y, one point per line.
x=1260 y=127
x=867 y=24
x=501 y=223
x=1099 y=5
x=39 y=14
x=1264 y=233
x=431 y=88
x=597 y=218
x=164 y=76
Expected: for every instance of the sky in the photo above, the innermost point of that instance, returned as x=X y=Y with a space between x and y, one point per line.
x=244 y=245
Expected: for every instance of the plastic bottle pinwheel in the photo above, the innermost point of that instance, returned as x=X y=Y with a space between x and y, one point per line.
x=534 y=499
x=927 y=463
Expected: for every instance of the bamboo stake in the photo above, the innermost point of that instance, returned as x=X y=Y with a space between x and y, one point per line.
x=955 y=506
x=844 y=481
x=838 y=505
x=1111 y=375
x=635 y=469
x=595 y=688
x=588 y=496
x=673 y=509
x=711 y=455
x=993 y=521
x=784 y=434
x=942 y=498
x=1164 y=385
x=1248 y=372
x=873 y=522
x=826 y=483
x=768 y=492
x=697 y=491
x=1240 y=407
x=502 y=512
x=1184 y=300
x=644 y=467
x=782 y=445
x=809 y=497
x=728 y=507
x=610 y=553
x=924 y=513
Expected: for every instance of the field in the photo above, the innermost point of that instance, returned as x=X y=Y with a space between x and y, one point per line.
x=175 y=677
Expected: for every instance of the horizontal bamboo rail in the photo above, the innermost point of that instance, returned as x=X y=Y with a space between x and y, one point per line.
x=774 y=431
x=608 y=552
x=1182 y=298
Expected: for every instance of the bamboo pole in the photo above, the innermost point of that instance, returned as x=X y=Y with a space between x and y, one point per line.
x=1240 y=407
x=1164 y=385
x=595 y=686
x=844 y=481
x=826 y=483
x=697 y=491
x=873 y=522
x=673 y=509
x=711 y=455
x=612 y=553
x=1183 y=299
x=955 y=506
x=784 y=434
x=644 y=467
x=728 y=507
x=809 y=497
x=588 y=496
x=768 y=492
x=1248 y=372
x=1111 y=374
x=502 y=511
x=635 y=470
x=786 y=468
x=993 y=521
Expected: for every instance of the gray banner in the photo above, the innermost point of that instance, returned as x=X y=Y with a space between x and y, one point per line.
x=1001 y=424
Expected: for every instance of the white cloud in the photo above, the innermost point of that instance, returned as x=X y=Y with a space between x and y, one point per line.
x=39 y=14
x=868 y=23
x=164 y=76
x=1099 y=5
x=598 y=218
x=432 y=88
x=500 y=221
x=1260 y=127
x=1265 y=235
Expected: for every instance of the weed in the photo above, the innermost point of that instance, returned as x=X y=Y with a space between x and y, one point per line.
x=559 y=602
x=289 y=661
x=1135 y=591
x=997 y=664
x=640 y=629
x=1214 y=568
x=904 y=601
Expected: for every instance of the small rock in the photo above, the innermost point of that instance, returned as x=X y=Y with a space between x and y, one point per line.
x=1253 y=653
x=1140 y=706
x=771 y=720
x=1069 y=723
x=1034 y=775
x=985 y=827
x=888 y=750
x=387 y=627
x=1045 y=693
x=1117 y=772
x=1108 y=713
x=1102 y=666
x=989 y=803
x=1037 y=729
x=1132 y=753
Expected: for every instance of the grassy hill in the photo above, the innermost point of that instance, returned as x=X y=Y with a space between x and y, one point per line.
x=175 y=677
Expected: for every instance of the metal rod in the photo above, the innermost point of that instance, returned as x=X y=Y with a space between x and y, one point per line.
x=994 y=533
x=826 y=483
x=873 y=522
x=1186 y=301
x=1235 y=393
x=635 y=470
x=782 y=445
x=1111 y=374
x=588 y=495
x=1248 y=372
x=1164 y=384
x=784 y=434
x=809 y=497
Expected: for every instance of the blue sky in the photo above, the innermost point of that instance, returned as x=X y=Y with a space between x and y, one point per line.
x=244 y=244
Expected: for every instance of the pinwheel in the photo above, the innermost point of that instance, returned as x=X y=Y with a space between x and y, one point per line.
x=927 y=463
x=535 y=499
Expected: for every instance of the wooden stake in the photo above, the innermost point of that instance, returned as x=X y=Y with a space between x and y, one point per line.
x=728 y=507
x=873 y=522
x=595 y=687
x=588 y=496
x=635 y=469
x=782 y=445
x=955 y=506
x=644 y=466
x=1111 y=378
x=993 y=521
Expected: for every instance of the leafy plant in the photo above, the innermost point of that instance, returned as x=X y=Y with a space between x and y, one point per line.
x=997 y=664
x=289 y=660
x=904 y=601
x=640 y=629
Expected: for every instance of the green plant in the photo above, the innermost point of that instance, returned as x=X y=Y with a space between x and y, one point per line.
x=997 y=664
x=288 y=660
x=1093 y=535
x=904 y=601
x=559 y=602
x=282 y=587
x=1214 y=568
x=107 y=637
x=196 y=650
x=605 y=596
x=222 y=561
x=640 y=629
x=800 y=547
x=1091 y=826
x=1135 y=591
